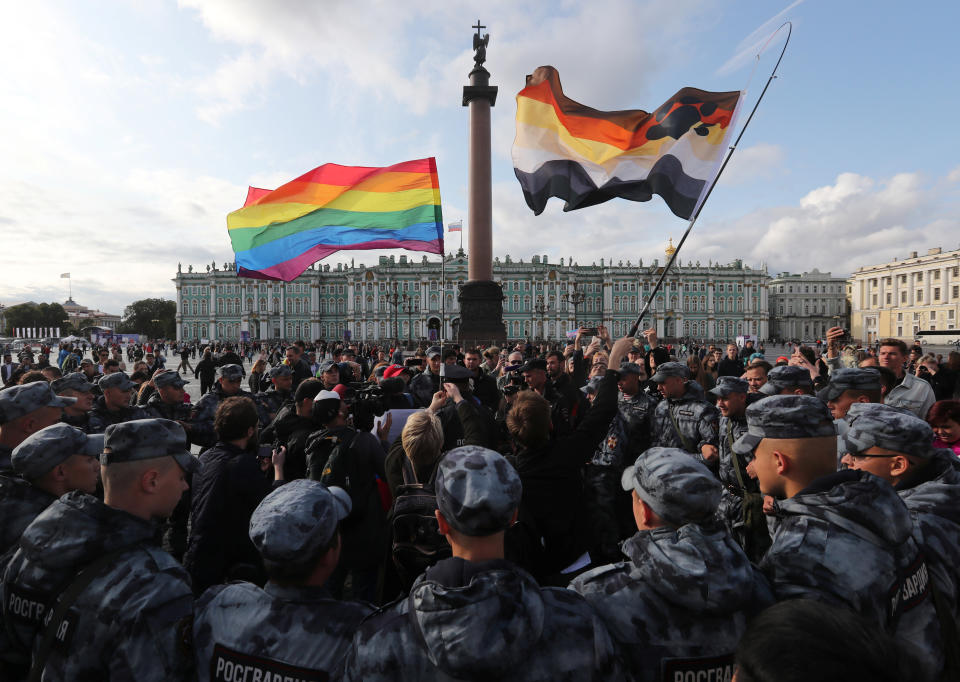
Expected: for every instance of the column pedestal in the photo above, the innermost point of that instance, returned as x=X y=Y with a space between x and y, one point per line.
x=481 y=313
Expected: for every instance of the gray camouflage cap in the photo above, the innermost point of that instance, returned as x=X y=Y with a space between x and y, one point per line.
x=232 y=372
x=631 y=368
x=675 y=485
x=670 y=369
x=280 y=371
x=146 y=439
x=296 y=519
x=785 y=416
x=48 y=447
x=169 y=378
x=327 y=365
x=116 y=380
x=786 y=376
x=883 y=426
x=850 y=379
x=477 y=490
x=592 y=386
x=17 y=401
x=75 y=381
x=727 y=385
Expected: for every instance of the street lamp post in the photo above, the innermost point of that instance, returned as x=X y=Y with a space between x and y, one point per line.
x=394 y=300
x=408 y=308
x=541 y=309
x=575 y=298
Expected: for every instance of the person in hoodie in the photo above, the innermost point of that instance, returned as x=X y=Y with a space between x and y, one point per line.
x=49 y=463
x=684 y=419
x=475 y=615
x=113 y=407
x=292 y=628
x=843 y=537
x=894 y=445
x=225 y=493
x=681 y=602
x=127 y=622
x=292 y=428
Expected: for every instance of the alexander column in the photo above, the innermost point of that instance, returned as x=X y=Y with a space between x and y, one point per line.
x=481 y=299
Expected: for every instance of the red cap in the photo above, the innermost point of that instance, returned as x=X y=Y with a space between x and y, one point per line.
x=784 y=358
x=340 y=390
x=393 y=371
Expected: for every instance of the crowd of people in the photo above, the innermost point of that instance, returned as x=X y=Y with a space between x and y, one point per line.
x=603 y=509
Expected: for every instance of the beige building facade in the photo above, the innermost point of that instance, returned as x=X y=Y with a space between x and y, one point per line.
x=903 y=298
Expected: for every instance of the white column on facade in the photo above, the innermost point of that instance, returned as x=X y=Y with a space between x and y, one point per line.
x=927 y=287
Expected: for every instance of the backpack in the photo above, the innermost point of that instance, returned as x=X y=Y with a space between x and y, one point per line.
x=329 y=462
x=416 y=542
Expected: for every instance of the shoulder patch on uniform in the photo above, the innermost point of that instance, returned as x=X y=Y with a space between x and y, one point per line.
x=228 y=665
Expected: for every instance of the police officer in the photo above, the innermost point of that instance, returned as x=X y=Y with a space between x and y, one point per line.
x=50 y=463
x=476 y=615
x=843 y=537
x=787 y=380
x=228 y=385
x=684 y=419
x=895 y=445
x=75 y=385
x=292 y=628
x=847 y=387
x=741 y=505
x=167 y=401
x=329 y=374
x=113 y=407
x=682 y=600
x=627 y=437
x=124 y=620
x=425 y=384
x=24 y=410
x=279 y=394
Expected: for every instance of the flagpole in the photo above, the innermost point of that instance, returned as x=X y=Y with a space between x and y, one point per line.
x=733 y=148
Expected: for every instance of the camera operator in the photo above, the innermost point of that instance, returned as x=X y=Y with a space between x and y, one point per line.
x=352 y=458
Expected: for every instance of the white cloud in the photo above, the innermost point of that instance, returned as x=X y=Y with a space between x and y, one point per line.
x=750 y=163
x=367 y=44
x=954 y=175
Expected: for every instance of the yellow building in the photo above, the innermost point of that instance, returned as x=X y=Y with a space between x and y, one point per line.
x=903 y=298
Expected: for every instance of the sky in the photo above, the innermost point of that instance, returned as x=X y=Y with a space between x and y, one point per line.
x=131 y=128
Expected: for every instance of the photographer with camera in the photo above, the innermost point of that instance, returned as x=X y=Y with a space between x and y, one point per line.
x=352 y=458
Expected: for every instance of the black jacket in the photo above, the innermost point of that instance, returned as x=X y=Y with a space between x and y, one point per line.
x=225 y=493
x=552 y=488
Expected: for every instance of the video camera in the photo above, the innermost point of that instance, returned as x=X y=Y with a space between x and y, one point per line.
x=365 y=400
x=516 y=383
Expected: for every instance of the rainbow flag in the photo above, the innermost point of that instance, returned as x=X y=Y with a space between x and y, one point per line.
x=585 y=157
x=279 y=233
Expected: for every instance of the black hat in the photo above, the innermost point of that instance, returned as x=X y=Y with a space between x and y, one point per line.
x=534 y=363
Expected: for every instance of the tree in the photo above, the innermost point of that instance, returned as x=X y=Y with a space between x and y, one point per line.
x=154 y=317
x=36 y=315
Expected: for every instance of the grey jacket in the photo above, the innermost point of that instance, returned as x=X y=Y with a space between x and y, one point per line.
x=848 y=539
x=494 y=624
x=685 y=593
x=126 y=624
x=301 y=632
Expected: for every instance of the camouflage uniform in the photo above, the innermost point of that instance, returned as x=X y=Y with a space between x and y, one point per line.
x=101 y=417
x=847 y=538
x=481 y=620
x=76 y=381
x=628 y=436
x=931 y=491
x=20 y=400
x=682 y=601
x=21 y=501
x=423 y=386
x=293 y=631
x=157 y=409
x=269 y=403
x=696 y=421
x=201 y=430
x=20 y=504
x=126 y=623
